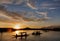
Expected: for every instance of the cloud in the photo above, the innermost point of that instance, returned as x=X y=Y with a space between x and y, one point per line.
x=7 y=16
x=31 y=4
x=44 y=14
x=49 y=5
x=52 y=8
x=21 y=17
x=36 y=18
x=17 y=2
x=15 y=17
x=56 y=0
x=6 y=1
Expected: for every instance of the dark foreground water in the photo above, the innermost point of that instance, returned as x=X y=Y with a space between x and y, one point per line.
x=45 y=36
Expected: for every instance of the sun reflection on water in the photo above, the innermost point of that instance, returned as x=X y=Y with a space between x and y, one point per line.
x=17 y=32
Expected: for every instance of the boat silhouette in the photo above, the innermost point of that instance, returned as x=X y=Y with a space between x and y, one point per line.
x=22 y=34
x=36 y=33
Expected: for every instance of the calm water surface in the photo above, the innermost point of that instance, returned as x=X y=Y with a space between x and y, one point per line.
x=45 y=36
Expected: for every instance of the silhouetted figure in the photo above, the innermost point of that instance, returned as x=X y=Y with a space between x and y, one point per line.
x=16 y=36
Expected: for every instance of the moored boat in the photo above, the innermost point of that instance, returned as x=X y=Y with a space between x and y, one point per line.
x=36 y=33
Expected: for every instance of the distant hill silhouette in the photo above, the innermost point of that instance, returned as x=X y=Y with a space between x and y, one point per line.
x=49 y=28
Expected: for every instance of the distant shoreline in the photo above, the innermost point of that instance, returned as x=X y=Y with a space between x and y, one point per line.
x=44 y=29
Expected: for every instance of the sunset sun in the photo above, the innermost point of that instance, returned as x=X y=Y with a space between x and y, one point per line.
x=17 y=26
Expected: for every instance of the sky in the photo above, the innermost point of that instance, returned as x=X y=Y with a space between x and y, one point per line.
x=29 y=13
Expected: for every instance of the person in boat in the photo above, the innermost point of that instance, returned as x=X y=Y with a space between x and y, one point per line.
x=23 y=34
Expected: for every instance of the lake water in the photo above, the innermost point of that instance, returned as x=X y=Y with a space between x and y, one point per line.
x=45 y=36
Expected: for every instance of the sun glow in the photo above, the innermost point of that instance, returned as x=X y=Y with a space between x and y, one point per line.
x=17 y=26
